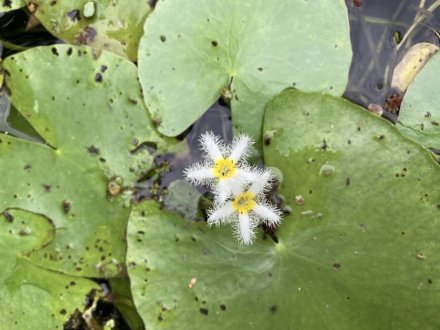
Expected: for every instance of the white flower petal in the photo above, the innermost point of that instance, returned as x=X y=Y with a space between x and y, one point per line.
x=245 y=229
x=248 y=174
x=268 y=213
x=240 y=147
x=246 y=178
x=198 y=174
x=261 y=183
x=236 y=185
x=222 y=191
x=212 y=145
x=221 y=214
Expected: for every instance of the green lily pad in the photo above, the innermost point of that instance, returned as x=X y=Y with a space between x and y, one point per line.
x=123 y=300
x=419 y=116
x=113 y=25
x=247 y=51
x=9 y=5
x=32 y=297
x=358 y=251
x=89 y=110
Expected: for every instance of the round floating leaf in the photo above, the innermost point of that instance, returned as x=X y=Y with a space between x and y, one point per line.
x=358 y=251
x=419 y=116
x=8 y=5
x=32 y=297
x=113 y=25
x=247 y=51
x=90 y=111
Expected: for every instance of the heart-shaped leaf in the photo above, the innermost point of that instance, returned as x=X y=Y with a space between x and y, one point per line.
x=246 y=51
x=90 y=111
x=358 y=251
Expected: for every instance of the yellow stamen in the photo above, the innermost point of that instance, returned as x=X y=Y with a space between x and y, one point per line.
x=244 y=202
x=224 y=168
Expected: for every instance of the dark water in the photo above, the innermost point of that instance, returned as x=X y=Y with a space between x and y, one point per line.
x=376 y=30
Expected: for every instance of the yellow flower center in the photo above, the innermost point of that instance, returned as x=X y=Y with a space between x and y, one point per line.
x=244 y=202
x=224 y=168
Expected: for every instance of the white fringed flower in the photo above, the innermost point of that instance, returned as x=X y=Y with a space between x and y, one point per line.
x=225 y=168
x=247 y=209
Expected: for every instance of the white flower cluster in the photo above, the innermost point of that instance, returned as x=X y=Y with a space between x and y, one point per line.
x=238 y=188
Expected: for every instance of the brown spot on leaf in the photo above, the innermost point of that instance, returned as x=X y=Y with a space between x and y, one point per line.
x=87 y=36
x=92 y=150
x=66 y=205
x=74 y=15
x=8 y=216
x=336 y=265
x=98 y=77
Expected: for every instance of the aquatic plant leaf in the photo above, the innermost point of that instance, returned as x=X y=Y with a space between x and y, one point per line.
x=32 y=297
x=358 y=250
x=113 y=25
x=123 y=300
x=419 y=116
x=89 y=110
x=245 y=51
x=9 y=5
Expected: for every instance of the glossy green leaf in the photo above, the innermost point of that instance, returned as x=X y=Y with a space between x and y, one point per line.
x=419 y=116
x=113 y=25
x=32 y=297
x=123 y=300
x=8 y=5
x=359 y=253
x=244 y=50
x=89 y=109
